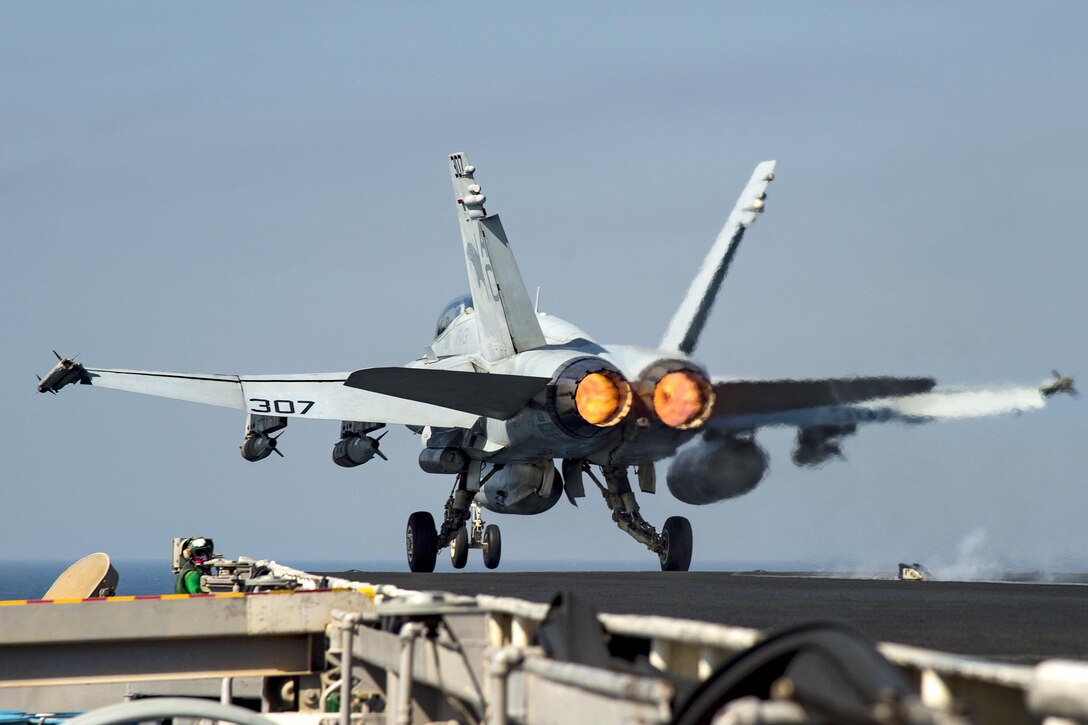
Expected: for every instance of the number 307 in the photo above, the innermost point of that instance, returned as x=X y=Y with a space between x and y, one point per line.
x=283 y=407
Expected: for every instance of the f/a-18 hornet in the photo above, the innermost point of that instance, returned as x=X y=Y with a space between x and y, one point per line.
x=504 y=391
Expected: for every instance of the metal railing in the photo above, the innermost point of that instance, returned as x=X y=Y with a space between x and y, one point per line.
x=988 y=691
x=400 y=656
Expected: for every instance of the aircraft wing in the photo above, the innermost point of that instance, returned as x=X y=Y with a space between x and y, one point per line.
x=322 y=395
x=746 y=404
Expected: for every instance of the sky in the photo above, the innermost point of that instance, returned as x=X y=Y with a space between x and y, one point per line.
x=262 y=188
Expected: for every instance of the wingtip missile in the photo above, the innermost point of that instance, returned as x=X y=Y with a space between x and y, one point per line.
x=1059 y=384
x=65 y=372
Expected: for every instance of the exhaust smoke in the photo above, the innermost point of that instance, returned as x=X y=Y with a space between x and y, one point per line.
x=972 y=562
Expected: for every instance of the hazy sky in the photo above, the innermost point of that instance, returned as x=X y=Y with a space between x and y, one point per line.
x=262 y=188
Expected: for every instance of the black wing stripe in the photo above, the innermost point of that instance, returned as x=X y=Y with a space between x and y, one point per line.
x=222 y=379
x=488 y=394
x=744 y=397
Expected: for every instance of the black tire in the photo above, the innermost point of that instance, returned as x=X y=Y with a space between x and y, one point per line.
x=492 y=546
x=459 y=549
x=676 y=540
x=421 y=540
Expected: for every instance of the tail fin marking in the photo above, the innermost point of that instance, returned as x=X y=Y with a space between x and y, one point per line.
x=691 y=316
x=505 y=319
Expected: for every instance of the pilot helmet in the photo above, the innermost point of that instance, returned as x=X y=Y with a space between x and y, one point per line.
x=200 y=549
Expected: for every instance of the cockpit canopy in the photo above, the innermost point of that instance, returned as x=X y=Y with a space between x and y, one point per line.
x=451 y=312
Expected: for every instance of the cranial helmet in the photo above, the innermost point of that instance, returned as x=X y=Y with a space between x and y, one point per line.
x=200 y=547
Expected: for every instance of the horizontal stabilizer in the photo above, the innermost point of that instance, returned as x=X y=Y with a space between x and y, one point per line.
x=744 y=397
x=814 y=408
x=487 y=394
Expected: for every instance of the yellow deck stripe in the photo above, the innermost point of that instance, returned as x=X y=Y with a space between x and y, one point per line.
x=368 y=591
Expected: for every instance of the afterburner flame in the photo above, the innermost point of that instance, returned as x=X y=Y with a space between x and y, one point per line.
x=680 y=400
x=600 y=399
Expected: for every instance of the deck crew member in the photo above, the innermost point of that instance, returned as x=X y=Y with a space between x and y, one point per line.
x=196 y=553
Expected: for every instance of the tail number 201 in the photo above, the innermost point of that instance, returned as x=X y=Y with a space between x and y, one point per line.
x=283 y=407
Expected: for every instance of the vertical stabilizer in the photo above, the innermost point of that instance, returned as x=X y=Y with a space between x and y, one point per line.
x=505 y=318
x=691 y=316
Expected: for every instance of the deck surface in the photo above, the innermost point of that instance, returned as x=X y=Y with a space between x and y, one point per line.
x=1013 y=622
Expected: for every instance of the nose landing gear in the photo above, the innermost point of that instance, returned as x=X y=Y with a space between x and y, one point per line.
x=477 y=535
x=491 y=543
x=423 y=542
x=459 y=549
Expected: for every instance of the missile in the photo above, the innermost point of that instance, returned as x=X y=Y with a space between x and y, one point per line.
x=1058 y=384
x=65 y=372
x=355 y=450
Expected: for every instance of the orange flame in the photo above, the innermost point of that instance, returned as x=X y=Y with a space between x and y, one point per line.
x=598 y=399
x=679 y=399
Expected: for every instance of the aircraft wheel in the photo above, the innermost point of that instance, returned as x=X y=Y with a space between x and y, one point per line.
x=676 y=538
x=492 y=546
x=459 y=549
x=421 y=540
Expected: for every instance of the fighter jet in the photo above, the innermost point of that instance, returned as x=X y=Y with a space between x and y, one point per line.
x=521 y=407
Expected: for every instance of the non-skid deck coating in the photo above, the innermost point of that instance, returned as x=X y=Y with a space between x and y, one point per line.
x=1014 y=622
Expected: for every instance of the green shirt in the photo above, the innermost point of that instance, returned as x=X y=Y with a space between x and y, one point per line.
x=188 y=581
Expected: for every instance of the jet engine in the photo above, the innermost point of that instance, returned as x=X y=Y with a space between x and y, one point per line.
x=679 y=395
x=588 y=396
x=716 y=468
x=521 y=488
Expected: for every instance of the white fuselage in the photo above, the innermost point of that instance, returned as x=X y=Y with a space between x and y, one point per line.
x=533 y=434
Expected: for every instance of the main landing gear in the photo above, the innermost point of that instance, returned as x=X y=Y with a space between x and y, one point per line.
x=423 y=542
x=672 y=545
x=463 y=527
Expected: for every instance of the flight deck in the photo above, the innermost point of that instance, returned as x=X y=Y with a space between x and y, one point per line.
x=1009 y=621
x=614 y=647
